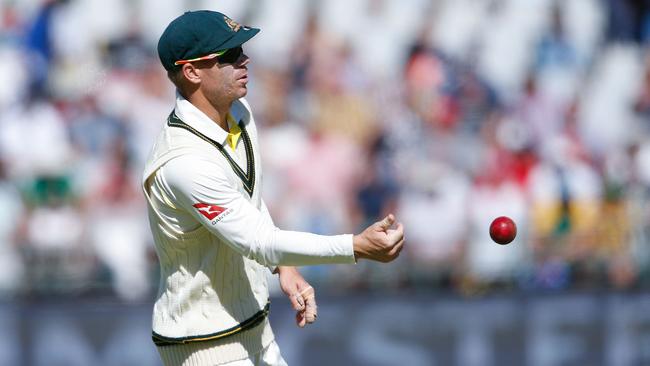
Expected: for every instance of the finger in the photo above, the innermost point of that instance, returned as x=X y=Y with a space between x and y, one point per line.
x=306 y=291
x=401 y=246
x=397 y=248
x=306 y=295
x=311 y=309
x=297 y=301
x=397 y=234
x=311 y=313
x=300 y=319
x=309 y=297
x=387 y=222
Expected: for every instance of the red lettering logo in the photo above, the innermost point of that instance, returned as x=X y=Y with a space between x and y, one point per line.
x=209 y=211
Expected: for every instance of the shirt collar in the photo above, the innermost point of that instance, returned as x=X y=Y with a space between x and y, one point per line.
x=191 y=115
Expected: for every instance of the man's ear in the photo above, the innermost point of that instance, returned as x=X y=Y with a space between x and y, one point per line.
x=191 y=73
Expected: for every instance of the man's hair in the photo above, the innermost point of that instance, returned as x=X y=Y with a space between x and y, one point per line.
x=175 y=76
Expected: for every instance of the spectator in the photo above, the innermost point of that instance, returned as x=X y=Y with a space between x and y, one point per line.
x=450 y=113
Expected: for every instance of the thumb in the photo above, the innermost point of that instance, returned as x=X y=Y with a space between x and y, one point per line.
x=297 y=301
x=387 y=222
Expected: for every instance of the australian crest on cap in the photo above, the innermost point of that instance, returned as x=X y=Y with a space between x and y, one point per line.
x=232 y=24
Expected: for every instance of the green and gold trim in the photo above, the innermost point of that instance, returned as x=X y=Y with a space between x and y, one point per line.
x=257 y=318
x=247 y=177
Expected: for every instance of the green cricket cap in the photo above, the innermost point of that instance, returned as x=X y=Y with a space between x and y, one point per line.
x=199 y=33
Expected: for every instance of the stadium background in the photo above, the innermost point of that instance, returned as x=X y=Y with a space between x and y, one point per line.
x=447 y=113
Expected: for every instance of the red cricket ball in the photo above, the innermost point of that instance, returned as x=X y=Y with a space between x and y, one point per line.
x=503 y=230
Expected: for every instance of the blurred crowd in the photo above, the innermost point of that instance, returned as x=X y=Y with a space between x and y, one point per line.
x=447 y=113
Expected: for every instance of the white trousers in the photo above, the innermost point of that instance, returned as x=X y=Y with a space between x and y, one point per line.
x=269 y=356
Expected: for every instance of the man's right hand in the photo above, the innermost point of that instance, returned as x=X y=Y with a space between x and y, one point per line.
x=379 y=242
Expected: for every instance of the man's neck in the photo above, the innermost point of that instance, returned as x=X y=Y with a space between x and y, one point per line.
x=216 y=113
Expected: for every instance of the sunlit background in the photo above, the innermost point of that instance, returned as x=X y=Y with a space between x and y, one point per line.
x=447 y=113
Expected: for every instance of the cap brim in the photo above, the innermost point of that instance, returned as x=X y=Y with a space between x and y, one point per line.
x=241 y=37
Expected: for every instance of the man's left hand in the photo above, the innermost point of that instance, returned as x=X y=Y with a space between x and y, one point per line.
x=300 y=293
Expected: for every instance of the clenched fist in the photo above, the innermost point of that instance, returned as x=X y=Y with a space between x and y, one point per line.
x=300 y=293
x=379 y=242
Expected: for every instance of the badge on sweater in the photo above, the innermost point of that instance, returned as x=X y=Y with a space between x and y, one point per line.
x=209 y=211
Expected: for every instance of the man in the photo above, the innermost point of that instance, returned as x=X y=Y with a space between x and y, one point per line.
x=212 y=231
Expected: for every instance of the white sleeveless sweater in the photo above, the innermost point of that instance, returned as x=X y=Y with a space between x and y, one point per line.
x=213 y=267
